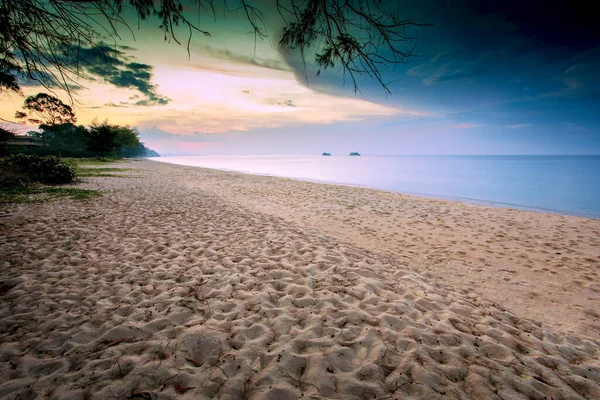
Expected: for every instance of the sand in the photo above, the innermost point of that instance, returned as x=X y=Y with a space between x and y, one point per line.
x=542 y=266
x=172 y=285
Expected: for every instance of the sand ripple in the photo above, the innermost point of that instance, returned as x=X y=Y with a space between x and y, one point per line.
x=157 y=290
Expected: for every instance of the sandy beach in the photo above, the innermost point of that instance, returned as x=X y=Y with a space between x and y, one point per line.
x=189 y=283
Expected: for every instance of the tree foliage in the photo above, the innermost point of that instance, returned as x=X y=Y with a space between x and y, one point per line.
x=6 y=135
x=105 y=139
x=42 y=169
x=39 y=39
x=63 y=138
x=102 y=138
x=58 y=134
x=46 y=109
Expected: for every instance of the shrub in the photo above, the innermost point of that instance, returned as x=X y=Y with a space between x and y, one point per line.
x=42 y=169
x=10 y=178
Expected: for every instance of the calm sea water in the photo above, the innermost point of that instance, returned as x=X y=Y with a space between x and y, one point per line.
x=560 y=184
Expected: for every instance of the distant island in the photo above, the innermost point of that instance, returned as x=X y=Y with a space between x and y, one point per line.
x=326 y=154
x=355 y=153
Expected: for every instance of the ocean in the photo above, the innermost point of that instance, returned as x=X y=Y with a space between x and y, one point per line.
x=558 y=184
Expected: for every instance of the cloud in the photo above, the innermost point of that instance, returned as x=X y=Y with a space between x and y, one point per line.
x=455 y=65
x=113 y=66
x=582 y=75
x=228 y=55
x=112 y=104
x=213 y=102
x=467 y=125
x=153 y=101
x=45 y=78
x=287 y=103
x=519 y=126
x=36 y=78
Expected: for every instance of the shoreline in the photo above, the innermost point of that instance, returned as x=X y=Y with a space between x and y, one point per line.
x=467 y=200
x=185 y=283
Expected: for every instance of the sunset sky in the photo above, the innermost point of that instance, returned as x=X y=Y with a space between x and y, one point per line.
x=491 y=77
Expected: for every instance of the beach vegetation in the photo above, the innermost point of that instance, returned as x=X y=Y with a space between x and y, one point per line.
x=6 y=135
x=105 y=139
x=58 y=135
x=24 y=178
x=97 y=167
x=91 y=161
x=23 y=169
x=62 y=139
x=83 y=172
x=40 y=194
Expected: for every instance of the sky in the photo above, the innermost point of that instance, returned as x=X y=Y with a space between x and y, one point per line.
x=486 y=77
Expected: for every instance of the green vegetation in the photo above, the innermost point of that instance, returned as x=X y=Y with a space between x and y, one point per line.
x=21 y=177
x=6 y=135
x=82 y=167
x=33 y=164
x=39 y=194
x=89 y=172
x=79 y=162
x=58 y=135
x=24 y=169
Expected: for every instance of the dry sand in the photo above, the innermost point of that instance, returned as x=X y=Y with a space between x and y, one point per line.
x=545 y=267
x=176 y=284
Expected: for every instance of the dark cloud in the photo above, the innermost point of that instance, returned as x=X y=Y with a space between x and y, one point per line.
x=130 y=78
x=125 y=47
x=153 y=101
x=288 y=103
x=139 y=66
x=242 y=58
x=113 y=66
x=524 y=45
x=308 y=73
x=47 y=79
x=38 y=76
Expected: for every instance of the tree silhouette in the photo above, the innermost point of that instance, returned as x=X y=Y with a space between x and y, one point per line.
x=6 y=135
x=40 y=39
x=102 y=138
x=46 y=109
x=60 y=138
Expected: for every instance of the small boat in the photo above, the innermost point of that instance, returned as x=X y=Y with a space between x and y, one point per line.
x=326 y=154
x=354 y=153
